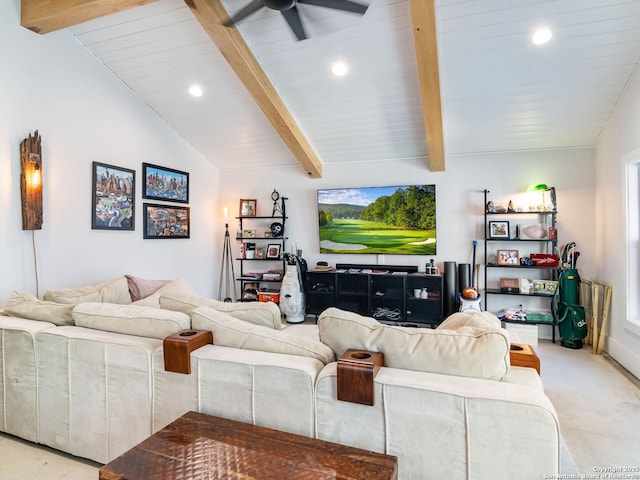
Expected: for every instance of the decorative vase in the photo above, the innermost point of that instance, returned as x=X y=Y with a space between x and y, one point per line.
x=292 y=295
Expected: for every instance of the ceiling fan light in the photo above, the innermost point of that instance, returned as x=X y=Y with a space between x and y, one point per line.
x=541 y=36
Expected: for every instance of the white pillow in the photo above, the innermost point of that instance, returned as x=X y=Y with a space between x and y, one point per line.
x=468 y=351
x=110 y=291
x=24 y=304
x=266 y=314
x=175 y=285
x=231 y=332
x=130 y=319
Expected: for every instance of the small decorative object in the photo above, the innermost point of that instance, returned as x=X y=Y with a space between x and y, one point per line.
x=526 y=262
x=491 y=207
x=276 y=229
x=509 y=285
x=260 y=252
x=164 y=221
x=273 y=250
x=510 y=208
x=162 y=183
x=498 y=229
x=113 y=198
x=248 y=207
x=508 y=257
x=424 y=294
x=277 y=208
x=250 y=251
x=267 y=234
x=534 y=231
x=249 y=234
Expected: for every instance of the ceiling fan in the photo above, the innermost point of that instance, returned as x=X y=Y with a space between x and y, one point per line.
x=289 y=11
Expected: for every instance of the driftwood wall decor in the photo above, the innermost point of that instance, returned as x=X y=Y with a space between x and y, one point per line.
x=31 y=182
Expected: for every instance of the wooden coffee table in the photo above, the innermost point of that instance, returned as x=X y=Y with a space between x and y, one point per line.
x=199 y=446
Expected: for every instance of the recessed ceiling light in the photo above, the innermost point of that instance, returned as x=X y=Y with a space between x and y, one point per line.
x=541 y=36
x=195 y=90
x=339 y=69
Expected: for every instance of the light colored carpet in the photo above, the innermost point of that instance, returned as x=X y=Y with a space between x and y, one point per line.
x=598 y=405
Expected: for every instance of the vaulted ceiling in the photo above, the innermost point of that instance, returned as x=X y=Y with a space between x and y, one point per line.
x=270 y=100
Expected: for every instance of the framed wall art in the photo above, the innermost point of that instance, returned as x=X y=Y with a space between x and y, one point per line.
x=273 y=250
x=162 y=183
x=113 y=194
x=248 y=207
x=165 y=221
x=499 y=229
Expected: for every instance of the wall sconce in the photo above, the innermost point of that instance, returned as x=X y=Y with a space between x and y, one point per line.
x=31 y=182
x=542 y=187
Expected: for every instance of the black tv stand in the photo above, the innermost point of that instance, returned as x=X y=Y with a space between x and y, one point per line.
x=393 y=297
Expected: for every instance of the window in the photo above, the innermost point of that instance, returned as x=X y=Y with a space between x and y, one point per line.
x=633 y=241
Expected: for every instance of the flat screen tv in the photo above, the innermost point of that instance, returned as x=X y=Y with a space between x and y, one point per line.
x=381 y=220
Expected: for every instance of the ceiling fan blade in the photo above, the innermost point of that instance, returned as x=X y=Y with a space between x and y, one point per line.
x=293 y=19
x=346 y=5
x=247 y=10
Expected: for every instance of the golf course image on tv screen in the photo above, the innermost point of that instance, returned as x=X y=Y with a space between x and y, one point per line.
x=384 y=220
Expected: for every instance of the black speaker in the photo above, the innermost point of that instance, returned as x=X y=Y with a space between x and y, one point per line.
x=449 y=288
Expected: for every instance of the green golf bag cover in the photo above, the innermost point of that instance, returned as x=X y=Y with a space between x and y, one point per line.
x=566 y=310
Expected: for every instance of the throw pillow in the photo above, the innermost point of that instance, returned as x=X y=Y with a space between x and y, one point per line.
x=73 y=296
x=266 y=314
x=24 y=304
x=140 y=288
x=231 y=332
x=470 y=318
x=175 y=285
x=130 y=319
x=468 y=351
x=115 y=291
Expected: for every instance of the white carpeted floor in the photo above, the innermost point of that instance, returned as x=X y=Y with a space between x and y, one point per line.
x=598 y=406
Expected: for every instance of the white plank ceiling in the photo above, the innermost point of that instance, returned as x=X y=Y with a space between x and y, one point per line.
x=499 y=91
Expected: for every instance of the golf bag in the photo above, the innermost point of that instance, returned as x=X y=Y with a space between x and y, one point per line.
x=567 y=311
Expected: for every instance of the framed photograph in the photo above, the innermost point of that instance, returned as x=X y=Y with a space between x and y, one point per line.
x=508 y=257
x=248 y=207
x=165 y=221
x=273 y=250
x=499 y=229
x=162 y=183
x=260 y=252
x=113 y=194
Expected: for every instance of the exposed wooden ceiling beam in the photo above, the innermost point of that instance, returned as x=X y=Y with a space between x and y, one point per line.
x=423 y=19
x=44 y=16
x=211 y=15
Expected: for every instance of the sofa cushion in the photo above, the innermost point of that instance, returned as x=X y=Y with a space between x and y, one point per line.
x=114 y=291
x=140 y=288
x=73 y=296
x=173 y=286
x=130 y=319
x=111 y=291
x=231 y=332
x=24 y=304
x=468 y=351
x=266 y=314
x=470 y=319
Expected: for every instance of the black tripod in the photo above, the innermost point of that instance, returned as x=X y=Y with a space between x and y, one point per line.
x=227 y=274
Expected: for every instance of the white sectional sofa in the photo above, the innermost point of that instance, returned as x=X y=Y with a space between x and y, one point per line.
x=93 y=383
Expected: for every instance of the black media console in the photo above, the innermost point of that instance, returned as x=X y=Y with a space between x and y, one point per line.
x=392 y=294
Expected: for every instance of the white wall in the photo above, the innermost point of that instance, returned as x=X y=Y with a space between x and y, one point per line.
x=459 y=197
x=620 y=138
x=85 y=114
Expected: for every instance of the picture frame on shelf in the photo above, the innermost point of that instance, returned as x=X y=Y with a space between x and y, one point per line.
x=508 y=257
x=165 y=221
x=260 y=252
x=273 y=250
x=113 y=194
x=499 y=229
x=248 y=207
x=166 y=184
